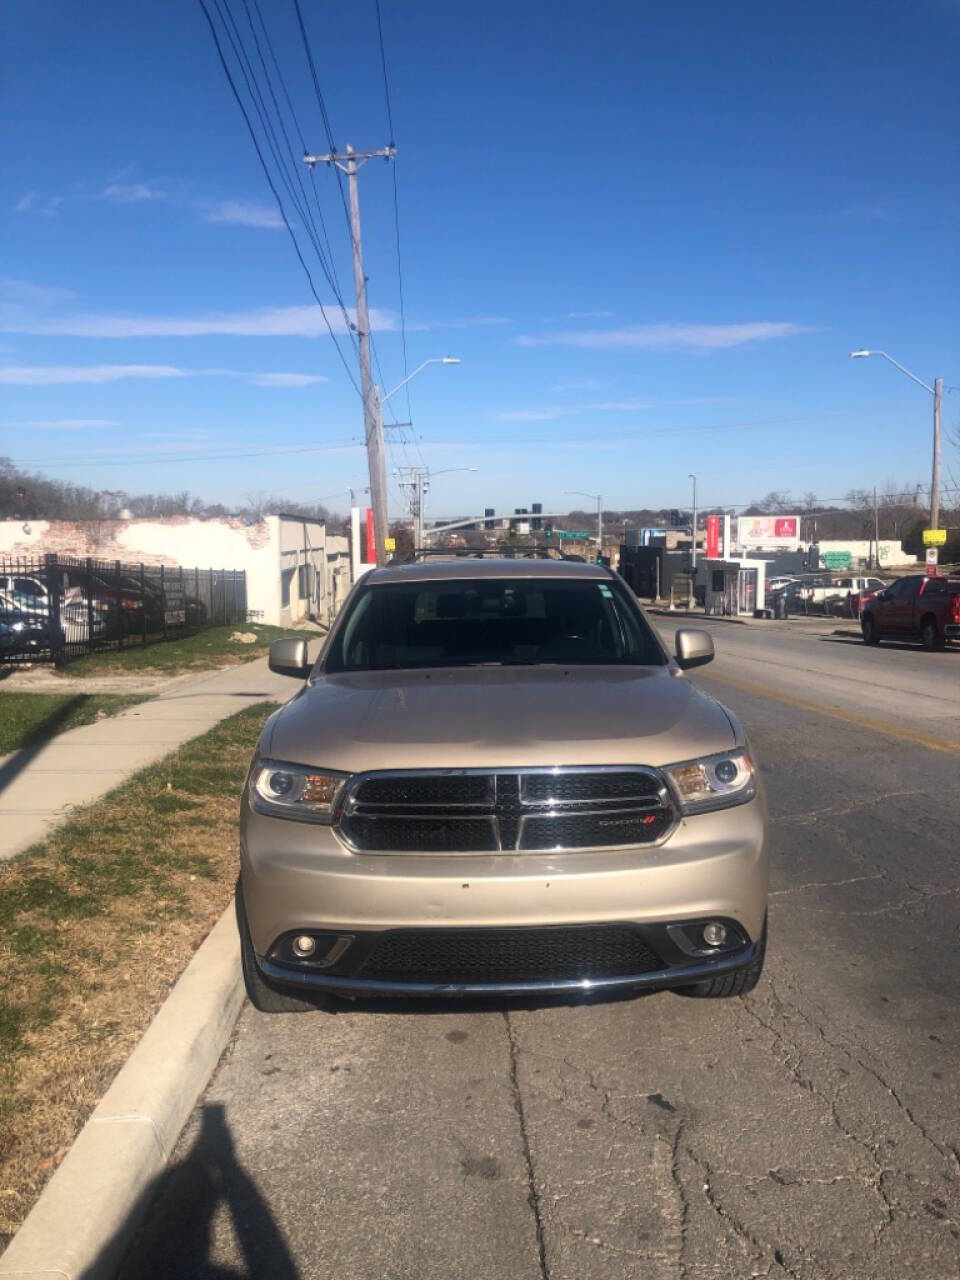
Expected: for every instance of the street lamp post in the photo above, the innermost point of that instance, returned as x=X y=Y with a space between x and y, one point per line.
x=693 y=541
x=379 y=481
x=937 y=392
x=598 y=499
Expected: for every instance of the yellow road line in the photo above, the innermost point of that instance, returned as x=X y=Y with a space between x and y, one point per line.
x=948 y=746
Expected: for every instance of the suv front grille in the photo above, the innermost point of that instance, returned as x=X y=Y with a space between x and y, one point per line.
x=474 y=811
x=560 y=953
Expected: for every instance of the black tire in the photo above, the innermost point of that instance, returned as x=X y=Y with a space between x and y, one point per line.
x=725 y=985
x=930 y=634
x=868 y=626
x=264 y=995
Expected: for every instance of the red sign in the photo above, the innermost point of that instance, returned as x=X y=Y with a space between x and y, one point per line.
x=933 y=557
x=713 y=537
x=371 y=556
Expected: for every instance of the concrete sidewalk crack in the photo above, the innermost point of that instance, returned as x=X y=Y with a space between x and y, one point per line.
x=533 y=1195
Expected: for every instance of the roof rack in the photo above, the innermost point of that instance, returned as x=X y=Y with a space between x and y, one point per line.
x=518 y=552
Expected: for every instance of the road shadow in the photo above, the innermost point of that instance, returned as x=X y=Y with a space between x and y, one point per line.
x=172 y=1222
x=38 y=738
x=905 y=645
x=417 y=1006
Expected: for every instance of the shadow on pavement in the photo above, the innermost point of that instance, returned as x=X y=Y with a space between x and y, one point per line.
x=905 y=645
x=39 y=738
x=180 y=1205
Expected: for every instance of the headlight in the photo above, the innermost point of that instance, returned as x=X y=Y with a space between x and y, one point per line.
x=294 y=791
x=714 y=782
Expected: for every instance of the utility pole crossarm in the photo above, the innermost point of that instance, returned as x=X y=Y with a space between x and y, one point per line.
x=358 y=157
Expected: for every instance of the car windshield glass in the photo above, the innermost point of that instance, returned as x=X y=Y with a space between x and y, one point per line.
x=476 y=622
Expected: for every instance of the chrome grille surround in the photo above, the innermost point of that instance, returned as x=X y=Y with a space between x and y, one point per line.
x=483 y=811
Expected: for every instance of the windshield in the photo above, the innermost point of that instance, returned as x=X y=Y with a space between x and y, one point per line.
x=479 y=623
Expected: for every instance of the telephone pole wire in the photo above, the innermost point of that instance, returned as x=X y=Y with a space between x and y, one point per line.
x=350 y=164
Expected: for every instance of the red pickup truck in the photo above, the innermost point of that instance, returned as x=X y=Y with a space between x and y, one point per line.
x=914 y=608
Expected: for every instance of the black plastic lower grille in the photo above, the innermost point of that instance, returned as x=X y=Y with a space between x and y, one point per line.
x=563 y=953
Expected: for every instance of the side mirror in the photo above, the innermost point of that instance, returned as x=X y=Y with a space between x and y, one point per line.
x=288 y=657
x=694 y=648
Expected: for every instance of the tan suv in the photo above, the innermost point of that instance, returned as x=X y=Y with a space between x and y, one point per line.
x=496 y=779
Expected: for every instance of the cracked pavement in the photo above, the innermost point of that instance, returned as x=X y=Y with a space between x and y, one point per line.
x=811 y=1130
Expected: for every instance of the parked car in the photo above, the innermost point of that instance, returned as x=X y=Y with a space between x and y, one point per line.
x=497 y=780
x=858 y=599
x=917 y=608
x=23 y=630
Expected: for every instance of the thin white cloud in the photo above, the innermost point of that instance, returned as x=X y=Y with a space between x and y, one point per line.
x=131 y=193
x=287 y=379
x=52 y=207
x=25 y=202
x=62 y=424
x=241 y=213
x=273 y=322
x=55 y=375
x=548 y=413
x=26 y=293
x=667 y=337
x=581 y=384
x=589 y=315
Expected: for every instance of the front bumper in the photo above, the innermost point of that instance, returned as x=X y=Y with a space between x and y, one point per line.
x=298 y=877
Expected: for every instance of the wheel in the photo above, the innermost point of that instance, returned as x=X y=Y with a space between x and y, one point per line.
x=264 y=995
x=869 y=627
x=931 y=635
x=725 y=985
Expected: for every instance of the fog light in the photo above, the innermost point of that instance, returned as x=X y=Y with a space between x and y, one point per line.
x=304 y=945
x=714 y=935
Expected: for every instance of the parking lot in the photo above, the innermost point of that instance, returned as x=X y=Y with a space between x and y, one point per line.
x=809 y=1130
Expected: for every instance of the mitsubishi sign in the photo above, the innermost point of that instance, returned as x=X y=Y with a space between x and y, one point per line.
x=768 y=531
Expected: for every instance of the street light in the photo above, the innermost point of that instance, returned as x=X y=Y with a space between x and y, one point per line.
x=598 y=499
x=419 y=369
x=937 y=392
x=693 y=553
x=378 y=465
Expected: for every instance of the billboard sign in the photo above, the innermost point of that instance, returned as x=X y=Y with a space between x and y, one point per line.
x=768 y=531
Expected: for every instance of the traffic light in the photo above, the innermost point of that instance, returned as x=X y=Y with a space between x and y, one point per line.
x=674 y=517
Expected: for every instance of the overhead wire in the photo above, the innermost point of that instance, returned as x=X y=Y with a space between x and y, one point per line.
x=273 y=188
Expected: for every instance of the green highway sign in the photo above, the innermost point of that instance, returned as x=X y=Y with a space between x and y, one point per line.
x=837 y=559
x=578 y=535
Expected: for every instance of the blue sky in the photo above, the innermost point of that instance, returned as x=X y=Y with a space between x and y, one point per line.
x=651 y=232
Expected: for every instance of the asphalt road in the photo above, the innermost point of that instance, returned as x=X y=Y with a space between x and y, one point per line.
x=810 y=1130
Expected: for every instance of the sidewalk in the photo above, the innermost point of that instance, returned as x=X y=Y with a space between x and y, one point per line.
x=818 y=623
x=40 y=784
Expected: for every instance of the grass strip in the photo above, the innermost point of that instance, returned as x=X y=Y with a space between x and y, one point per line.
x=215 y=647
x=27 y=719
x=96 y=925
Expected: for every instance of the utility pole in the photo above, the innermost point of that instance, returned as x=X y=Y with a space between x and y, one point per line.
x=599 y=524
x=372 y=419
x=693 y=544
x=935 y=481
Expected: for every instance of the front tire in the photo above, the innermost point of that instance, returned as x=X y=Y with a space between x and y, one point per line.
x=868 y=625
x=262 y=994
x=725 y=985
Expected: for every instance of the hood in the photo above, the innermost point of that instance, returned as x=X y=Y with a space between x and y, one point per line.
x=497 y=717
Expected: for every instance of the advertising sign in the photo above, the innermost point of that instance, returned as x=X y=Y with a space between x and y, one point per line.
x=933 y=559
x=934 y=537
x=713 y=537
x=768 y=531
x=837 y=559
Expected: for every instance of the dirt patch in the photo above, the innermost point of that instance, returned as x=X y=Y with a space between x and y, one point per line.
x=96 y=925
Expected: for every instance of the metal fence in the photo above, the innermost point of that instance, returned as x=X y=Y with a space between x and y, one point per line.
x=55 y=608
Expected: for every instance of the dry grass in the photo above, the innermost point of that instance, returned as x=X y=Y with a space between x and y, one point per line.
x=96 y=925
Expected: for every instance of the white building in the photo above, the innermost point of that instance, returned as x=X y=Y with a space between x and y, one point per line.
x=295 y=569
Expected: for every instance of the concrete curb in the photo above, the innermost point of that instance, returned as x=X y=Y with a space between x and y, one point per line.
x=91 y=1207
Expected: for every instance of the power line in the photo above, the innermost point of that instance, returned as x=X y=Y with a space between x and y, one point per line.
x=303 y=141
x=328 y=130
x=276 y=195
x=150 y=459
